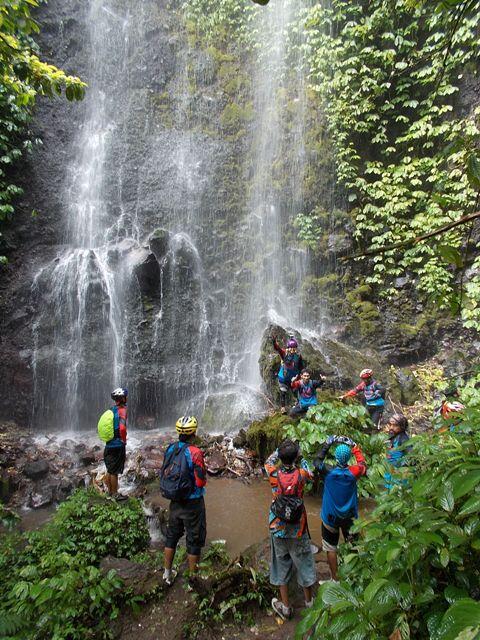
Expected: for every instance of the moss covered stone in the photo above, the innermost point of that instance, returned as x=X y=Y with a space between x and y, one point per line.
x=264 y=436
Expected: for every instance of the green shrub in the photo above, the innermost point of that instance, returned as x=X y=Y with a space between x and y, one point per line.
x=415 y=570
x=51 y=586
x=336 y=418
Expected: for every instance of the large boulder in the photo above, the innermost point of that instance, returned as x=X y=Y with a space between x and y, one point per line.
x=148 y=275
x=36 y=470
x=232 y=408
x=264 y=436
x=158 y=242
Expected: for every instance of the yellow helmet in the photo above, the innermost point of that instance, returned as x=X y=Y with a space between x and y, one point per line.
x=186 y=425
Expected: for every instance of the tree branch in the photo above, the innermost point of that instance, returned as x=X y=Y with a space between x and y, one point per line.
x=414 y=241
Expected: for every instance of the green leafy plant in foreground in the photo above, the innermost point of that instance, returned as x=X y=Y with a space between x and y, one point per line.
x=414 y=571
x=51 y=586
x=336 y=418
x=233 y=590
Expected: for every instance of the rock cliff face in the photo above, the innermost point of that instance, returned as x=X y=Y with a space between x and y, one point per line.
x=163 y=245
x=145 y=263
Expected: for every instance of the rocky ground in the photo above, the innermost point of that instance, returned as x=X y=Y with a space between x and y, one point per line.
x=173 y=613
x=39 y=471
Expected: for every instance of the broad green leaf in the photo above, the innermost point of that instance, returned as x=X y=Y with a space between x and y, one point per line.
x=472 y=505
x=450 y=254
x=461 y=615
x=473 y=170
x=447 y=501
x=452 y=594
x=444 y=557
x=373 y=588
x=463 y=483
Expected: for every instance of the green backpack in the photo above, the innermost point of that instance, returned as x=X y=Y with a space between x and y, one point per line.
x=108 y=424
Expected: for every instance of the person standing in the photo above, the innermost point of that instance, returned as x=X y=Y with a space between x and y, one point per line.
x=114 y=454
x=397 y=436
x=292 y=365
x=289 y=538
x=182 y=480
x=340 y=497
x=372 y=394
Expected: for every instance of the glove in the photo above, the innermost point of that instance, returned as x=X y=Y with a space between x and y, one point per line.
x=345 y=440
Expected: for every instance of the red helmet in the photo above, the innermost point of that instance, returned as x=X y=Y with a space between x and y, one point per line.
x=366 y=373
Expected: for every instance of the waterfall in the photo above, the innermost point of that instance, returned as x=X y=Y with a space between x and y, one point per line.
x=157 y=284
x=277 y=167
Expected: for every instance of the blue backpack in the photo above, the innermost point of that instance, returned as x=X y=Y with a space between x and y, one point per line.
x=176 y=477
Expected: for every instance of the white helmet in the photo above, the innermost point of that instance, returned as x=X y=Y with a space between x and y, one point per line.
x=119 y=393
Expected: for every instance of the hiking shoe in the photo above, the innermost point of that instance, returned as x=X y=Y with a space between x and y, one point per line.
x=320 y=582
x=120 y=497
x=169 y=578
x=309 y=603
x=283 y=410
x=284 y=612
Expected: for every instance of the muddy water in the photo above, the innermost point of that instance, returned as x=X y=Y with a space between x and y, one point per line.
x=237 y=512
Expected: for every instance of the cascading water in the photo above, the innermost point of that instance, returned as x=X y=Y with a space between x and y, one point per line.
x=125 y=301
x=277 y=184
x=159 y=286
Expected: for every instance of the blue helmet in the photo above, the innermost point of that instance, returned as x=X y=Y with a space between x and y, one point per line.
x=342 y=454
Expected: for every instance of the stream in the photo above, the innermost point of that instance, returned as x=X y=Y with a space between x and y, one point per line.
x=237 y=512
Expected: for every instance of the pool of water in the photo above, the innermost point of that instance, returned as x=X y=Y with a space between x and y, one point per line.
x=237 y=512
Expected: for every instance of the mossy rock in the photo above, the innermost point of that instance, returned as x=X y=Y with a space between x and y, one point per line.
x=403 y=386
x=159 y=241
x=264 y=436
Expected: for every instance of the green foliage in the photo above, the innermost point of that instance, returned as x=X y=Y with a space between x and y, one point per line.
x=388 y=74
x=336 y=418
x=51 y=586
x=233 y=590
x=414 y=571
x=220 y=21
x=8 y=519
x=23 y=77
x=89 y=525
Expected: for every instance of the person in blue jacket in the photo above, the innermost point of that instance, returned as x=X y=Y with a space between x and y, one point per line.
x=396 y=453
x=340 y=498
x=292 y=364
x=372 y=394
x=306 y=389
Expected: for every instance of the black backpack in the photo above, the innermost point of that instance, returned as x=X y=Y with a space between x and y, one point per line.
x=176 y=477
x=288 y=506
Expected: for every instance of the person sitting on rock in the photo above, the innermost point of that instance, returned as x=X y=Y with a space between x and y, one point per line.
x=340 y=497
x=292 y=364
x=372 y=394
x=114 y=454
x=306 y=392
x=397 y=435
x=182 y=480
x=289 y=539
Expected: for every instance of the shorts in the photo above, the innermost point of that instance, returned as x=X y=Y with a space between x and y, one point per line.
x=287 y=553
x=114 y=458
x=331 y=535
x=187 y=516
